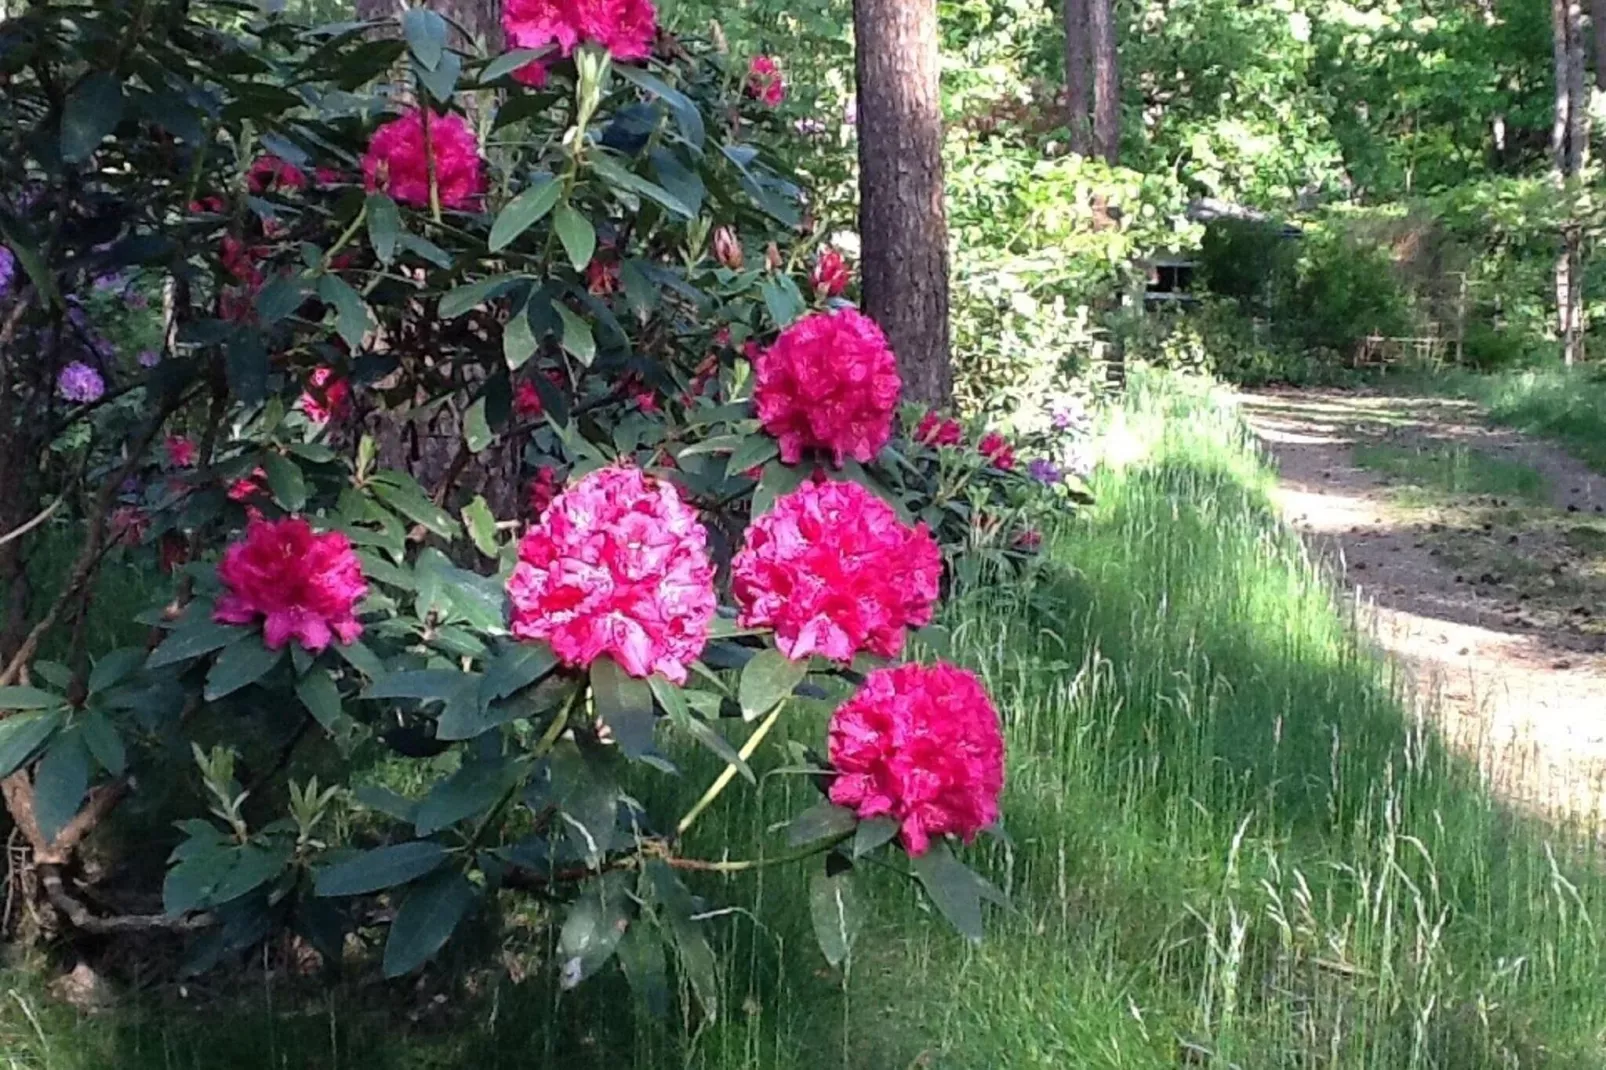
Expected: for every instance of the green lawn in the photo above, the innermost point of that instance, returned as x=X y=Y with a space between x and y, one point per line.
x=1228 y=846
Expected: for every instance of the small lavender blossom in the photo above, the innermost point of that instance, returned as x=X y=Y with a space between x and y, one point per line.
x=8 y=268
x=148 y=358
x=79 y=382
x=1045 y=471
x=117 y=280
x=809 y=126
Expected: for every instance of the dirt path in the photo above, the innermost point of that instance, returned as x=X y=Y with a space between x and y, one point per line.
x=1495 y=605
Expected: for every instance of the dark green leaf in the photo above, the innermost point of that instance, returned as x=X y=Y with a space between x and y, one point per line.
x=955 y=890
x=685 y=111
x=578 y=236
x=768 y=679
x=624 y=704
x=524 y=211
x=280 y=297
x=426 y=35
x=426 y=250
x=426 y=920
x=240 y=665
x=381 y=868
x=477 y=433
x=93 y=110
x=481 y=525
x=425 y=685
x=321 y=696
x=351 y=313
x=442 y=81
x=777 y=479
x=384 y=226
x=59 y=782
x=473 y=294
x=620 y=178
x=754 y=450
x=872 y=833
x=596 y=922
x=402 y=493
x=507 y=63
x=515 y=667
x=191 y=640
x=837 y=915
x=359 y=657
x=578 y=340
x=519 y=340
x=28 y=698
x=115 y=666
x=104 y=742
x=641 y=956
x=285 y=480
x=783 y=300
x=246 y=367
x=822 y=821
x=22 y=736
x=469 y=792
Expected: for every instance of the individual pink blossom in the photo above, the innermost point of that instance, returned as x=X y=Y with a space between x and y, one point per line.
x=919 y=744
x=527 y=400
x=764 y=81
x=1030 y=540
x=999 y=453
x=602 y=277
x=624 y=27
x=247 y=488
x=242 y=260
x=830 y=275
x=398 y=160
x=829 y=382
x=329 y=176
x=532 y=74
x=129 y=524
x=327 y=396
x=728 y=248
x=617 y=565
x=304 y=586
x=269 y=173
x=936 y=430
x=209 y=205
x=180 y=451
x=833 y=571
x=543 y=488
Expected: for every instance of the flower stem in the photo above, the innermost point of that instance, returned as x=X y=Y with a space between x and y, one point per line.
x=729 y=771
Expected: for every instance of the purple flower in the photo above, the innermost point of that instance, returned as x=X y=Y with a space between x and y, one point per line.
x=148 y=358
x=117 y=280
x=1045 y=471
x=79 y=382
x=809 y=126
x=8 y=268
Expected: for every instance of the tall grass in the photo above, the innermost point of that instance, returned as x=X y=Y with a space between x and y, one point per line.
x=1228 y=845
x=1565 y=404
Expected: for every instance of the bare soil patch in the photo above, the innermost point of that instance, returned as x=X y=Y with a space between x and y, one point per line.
x=1495 y=607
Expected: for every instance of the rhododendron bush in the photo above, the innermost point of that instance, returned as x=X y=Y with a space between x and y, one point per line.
x=464 y=445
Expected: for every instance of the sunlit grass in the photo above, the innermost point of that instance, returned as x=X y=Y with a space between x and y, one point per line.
x=1438 y=471
x=1567 y=405
x=1229 y=845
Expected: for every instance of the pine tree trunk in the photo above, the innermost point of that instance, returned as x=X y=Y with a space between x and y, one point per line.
x=1569 y=140
x=1079 y=77
x=478 y=23
x=902 y=222
x=1597 y=18
x=1106 y=81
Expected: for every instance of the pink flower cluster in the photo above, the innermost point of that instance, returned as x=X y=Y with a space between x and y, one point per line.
x=764 y=81
x=833 y=571
x=305 y=586
x=830 y=274
x=543 y=488
x=269 y=173
x=937 y=430
x=618 y=565
x=624 y=27
x=527 y=400
x=999 y=453
x=919 y=744
x=180 y=451
x=830 y=382
x=327 y=397
x=399 y=156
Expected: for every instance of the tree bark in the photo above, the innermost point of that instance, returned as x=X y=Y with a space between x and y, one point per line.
x=1079 y=77
x=1106 y=81
x=1597 y=19
x=902 y=221
x=477 y=24
x=1569 y=141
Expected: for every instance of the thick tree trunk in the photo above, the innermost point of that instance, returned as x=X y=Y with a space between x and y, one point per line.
x=902 y=223
x=1079 y=77
x=478 y=22
x=1106 y=81
x=1597 y=19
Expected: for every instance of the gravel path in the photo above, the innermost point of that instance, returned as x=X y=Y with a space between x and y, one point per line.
x=1493 y=607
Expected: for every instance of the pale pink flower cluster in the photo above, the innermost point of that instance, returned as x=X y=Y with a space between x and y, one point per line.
x=617 y=565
